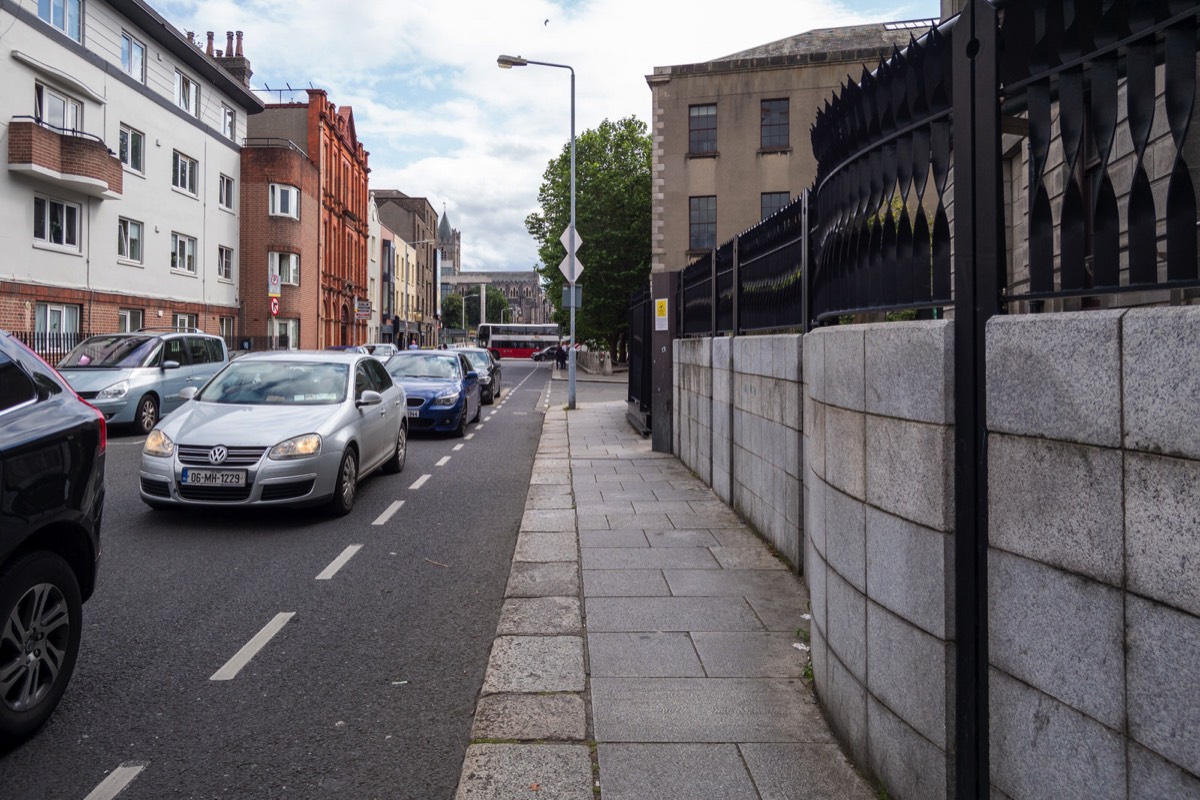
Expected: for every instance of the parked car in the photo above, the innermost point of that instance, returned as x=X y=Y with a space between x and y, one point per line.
x=442 y=387
x=288 y=428
x=349 y=348
x=52 y=451
x=137 y=377
x=382 y=350
x=487 y=364
x=545 y=354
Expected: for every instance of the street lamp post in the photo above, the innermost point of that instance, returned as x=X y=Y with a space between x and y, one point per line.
x=508 y=62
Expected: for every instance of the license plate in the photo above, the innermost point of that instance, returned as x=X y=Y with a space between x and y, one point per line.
x=414 y=412
x=213 y=477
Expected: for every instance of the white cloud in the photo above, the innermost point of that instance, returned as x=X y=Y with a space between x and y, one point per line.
x=442 y=121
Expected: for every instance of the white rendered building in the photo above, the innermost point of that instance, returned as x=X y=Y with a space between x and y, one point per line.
x=120 y=200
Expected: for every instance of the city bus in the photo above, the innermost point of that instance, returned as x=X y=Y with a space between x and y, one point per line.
x=517 y=341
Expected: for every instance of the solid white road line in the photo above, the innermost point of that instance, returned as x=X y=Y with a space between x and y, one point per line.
x=339 y=562
x=419 y=482
x=386 y=515
x=458 y=447
x=234 y=665
x=443 y=461
x=117 y=780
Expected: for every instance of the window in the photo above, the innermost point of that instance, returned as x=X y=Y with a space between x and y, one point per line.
x=225 y=263
x=702 y=222
x=774 y=124
x=57 y=109
x=285 y=201
x=183 y=172
x=187 y=94
x=132 y=146
x=289 y=332
x=183 y=253
x=54 y=318
x=133 y=57
x=129 y=240
x=66 y=15
x=129 y=319
x=225 y=192
x=225 y=327
x=228 y=122
x=56 y=223
x=773 y=201
x=702 y=129
x=286 y=266
x=183 y=322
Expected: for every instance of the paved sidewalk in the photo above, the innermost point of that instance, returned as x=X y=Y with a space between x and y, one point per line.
x=647 y=646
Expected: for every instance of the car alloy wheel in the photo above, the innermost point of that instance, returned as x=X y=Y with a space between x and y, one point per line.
x=147 y=414
x=346 y=486
x=39 y=641
x=395 y=464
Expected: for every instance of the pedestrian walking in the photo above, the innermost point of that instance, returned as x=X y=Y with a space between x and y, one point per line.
x=560 y=356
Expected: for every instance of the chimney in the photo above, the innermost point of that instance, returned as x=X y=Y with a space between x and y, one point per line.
x=191 y=36
x=209 y=48
x=232 y=60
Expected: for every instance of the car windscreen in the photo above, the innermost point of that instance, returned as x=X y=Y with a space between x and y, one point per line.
x=423 y=366
x=293 y=383
x=121 y=350
x=479 y=360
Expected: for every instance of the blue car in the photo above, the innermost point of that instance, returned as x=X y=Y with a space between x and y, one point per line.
x=442 y=387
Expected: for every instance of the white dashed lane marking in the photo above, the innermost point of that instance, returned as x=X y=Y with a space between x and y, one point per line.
x=234 y=665
x=339 y=562
x=117 y=780
x=442 y=461
x=419 y=482
x=386 y=515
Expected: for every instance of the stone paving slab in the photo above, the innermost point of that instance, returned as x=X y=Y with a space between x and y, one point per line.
x=532 y=579
x=546 y=546
x=609 y=538
x=675 y=771
x=780 y=613
x=749 y=655
x=731 y=583
x=624 y=583
x=643 y=655
x=548 y=520
x=811 y=771
x=616 y=614
x=530 y=717
x=557 y=500
x=507 y=771
x=705 y=710
x=756 y=557
x=648 y=558
x=535 y=664
x=675 y=538
x=541 y=616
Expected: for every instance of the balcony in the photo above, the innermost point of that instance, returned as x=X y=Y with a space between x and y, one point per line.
x=73 y=160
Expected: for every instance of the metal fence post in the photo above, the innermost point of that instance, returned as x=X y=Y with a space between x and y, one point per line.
x=978 y=259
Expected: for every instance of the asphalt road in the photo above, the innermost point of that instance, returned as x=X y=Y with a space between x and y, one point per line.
x=370 y=661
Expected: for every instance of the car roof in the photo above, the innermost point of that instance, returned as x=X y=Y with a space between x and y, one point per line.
x=307 y=356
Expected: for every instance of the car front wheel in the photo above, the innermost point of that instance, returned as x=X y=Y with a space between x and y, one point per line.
x=346 y=486
x=147 y=414
x=41 y=614
x=395 y=464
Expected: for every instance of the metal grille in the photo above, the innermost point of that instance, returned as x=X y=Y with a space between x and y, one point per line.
x=197 y=455
x=220 y=494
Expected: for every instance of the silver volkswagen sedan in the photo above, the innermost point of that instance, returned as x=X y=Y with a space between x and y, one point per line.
x=278 y=428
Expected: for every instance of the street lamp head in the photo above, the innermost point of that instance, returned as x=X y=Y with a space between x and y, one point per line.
x=508 y=62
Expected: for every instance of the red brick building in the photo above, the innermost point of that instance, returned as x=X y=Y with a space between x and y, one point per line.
x=304 y=224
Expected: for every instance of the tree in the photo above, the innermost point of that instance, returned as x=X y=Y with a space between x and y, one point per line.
x=612 y=217
x=452 y=307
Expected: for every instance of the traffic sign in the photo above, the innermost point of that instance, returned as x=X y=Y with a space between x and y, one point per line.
x=274 y=306
x=565 y=269
x=566 y=240
x=273 y=282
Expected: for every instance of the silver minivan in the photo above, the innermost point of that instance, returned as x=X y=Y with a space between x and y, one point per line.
x=136 y=377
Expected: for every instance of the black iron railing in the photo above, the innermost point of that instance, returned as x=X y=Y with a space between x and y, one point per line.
x=640 y=330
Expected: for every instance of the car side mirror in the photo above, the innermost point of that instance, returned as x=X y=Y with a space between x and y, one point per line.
x=170 y=365
x=188 y=392
x=472 y=375
x=370 y=397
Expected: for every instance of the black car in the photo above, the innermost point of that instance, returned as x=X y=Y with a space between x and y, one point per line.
x=487 y=364
x=545 y=354
x=52 y=449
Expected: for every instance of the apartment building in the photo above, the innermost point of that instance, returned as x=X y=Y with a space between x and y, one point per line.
x=415 y=225
x=121 y=198
x=730 y=136
x=305 y=177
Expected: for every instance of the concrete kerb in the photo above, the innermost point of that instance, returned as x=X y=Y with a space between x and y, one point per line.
x=531 y=730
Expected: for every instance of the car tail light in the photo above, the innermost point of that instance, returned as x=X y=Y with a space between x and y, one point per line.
x=103 y=424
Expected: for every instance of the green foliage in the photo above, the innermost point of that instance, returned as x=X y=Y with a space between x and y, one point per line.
x=612 y=217
x=452 y=308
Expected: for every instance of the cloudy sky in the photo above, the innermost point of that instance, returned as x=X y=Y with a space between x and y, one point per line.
x=442 y=121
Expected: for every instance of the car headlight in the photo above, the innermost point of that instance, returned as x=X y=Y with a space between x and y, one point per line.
x=448 y=399
x=158 y=444
x=114 y=392
x=485 y=379
x=300 y=447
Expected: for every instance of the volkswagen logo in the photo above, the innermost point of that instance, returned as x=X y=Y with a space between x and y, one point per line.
x=218 y=454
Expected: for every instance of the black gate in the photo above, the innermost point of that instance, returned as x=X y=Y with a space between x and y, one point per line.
x=640 y=322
